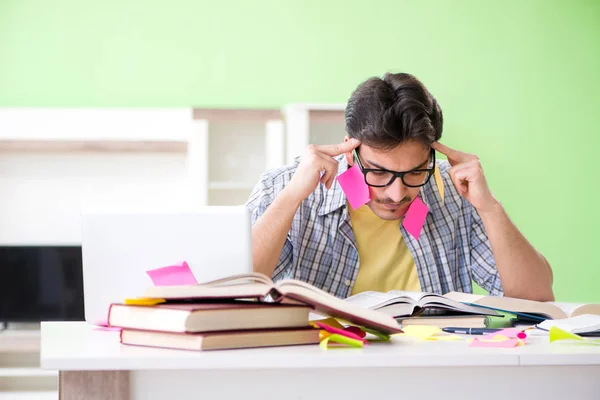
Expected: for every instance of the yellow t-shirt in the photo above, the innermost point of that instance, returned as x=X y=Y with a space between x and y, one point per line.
x=385 y=261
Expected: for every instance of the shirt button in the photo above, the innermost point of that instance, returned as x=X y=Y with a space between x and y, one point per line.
x=347 y=282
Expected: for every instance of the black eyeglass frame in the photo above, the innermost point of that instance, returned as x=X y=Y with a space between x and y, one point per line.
x=396 y=174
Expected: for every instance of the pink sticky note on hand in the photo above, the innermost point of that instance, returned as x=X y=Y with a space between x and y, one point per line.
x=353 y=184
x=173 y=275
x=415 y=217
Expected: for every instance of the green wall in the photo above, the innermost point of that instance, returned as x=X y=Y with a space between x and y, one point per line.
x=517 y=81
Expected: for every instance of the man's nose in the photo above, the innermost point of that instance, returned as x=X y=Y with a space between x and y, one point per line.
x=396 y=191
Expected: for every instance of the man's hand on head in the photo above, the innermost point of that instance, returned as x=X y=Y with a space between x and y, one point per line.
x=318 y=166
x=467 y=175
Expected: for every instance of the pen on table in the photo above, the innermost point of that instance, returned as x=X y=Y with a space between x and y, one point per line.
x=470 y=331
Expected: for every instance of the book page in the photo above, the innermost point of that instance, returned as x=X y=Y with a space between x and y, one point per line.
x=327 y=304
x=416 y=296
x=233 y=291
x=579 y=324
x=568 y=308
x=464 y=297
x=370 y=299
x=240 y=279
x=509 y=304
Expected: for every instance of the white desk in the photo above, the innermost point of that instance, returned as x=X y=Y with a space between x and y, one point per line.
x=94 y=365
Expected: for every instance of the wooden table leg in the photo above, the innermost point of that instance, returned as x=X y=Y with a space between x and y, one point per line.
x=93 y=385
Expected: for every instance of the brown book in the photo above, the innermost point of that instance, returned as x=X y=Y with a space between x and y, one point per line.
x=208 y=317
x=260 y=287
x=548 y=309
x=221 y=340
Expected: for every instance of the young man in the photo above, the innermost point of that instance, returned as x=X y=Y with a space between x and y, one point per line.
x=304 y=227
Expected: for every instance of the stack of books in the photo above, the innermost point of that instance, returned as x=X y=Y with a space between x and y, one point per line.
x=210 y=325
x=241 y=311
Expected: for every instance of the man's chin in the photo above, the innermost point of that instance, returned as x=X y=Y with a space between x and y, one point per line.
x=386 y=212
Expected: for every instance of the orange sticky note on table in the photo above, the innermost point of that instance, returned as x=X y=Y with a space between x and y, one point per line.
x=173 y=275
x=415 y=217
x=353 y=184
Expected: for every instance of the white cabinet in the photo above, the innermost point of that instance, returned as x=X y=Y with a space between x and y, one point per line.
x=240 y=146
x=20 y=374
x=308 y=123
x=53 y=162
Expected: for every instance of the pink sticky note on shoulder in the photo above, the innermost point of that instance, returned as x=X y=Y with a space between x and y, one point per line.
x=415 y=217
x=353 y=184
x=173 y=275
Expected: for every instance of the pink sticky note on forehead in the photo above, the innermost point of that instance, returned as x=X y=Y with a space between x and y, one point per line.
x=173 y=275
x=415 y=217
x=353 y=184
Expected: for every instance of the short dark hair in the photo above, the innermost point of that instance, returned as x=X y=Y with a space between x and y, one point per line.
x=384 y=113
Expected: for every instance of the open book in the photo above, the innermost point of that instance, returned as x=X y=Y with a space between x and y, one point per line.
x=260 y=287
x=401 y=304
x=584 y=324
x=544 y=310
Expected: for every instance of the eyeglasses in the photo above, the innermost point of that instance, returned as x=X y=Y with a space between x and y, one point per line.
x=383 y=177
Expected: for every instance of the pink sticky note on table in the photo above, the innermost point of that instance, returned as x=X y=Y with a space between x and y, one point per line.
x=102 y=325
x=173 y=275
x=508 y=332
x=415 y=217
x=338 y=331
x=108 y=328
x=353 y=184
x=502 y=344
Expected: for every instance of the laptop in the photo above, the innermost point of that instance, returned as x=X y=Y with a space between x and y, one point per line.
x=119 y=246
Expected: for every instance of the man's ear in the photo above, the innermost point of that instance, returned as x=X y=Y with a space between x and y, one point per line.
x=349 y=156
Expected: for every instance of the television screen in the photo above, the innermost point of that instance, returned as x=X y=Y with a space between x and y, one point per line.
x=41 y=283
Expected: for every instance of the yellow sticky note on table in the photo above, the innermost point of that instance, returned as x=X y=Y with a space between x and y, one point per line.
x=142 y=301
x=340 y=339
x=421 y=331
x=427 y=332
x=445 y=337
x=557 y=334
x=437 y=176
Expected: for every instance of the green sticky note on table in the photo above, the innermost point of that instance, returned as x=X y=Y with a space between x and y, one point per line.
x=557 y=334
x=340 y=339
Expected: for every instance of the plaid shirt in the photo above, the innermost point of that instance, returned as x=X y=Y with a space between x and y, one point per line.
x=452 y=249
